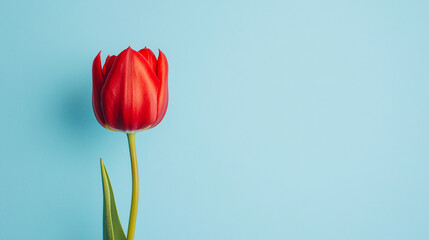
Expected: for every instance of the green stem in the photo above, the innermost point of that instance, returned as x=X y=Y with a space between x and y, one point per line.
x=135 y=193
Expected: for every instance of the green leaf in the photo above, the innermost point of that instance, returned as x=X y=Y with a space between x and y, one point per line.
x=112 y=228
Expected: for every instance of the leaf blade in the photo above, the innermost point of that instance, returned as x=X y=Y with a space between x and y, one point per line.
x=112 y=228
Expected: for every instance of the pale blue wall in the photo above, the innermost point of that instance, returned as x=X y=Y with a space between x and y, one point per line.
x=287 y=120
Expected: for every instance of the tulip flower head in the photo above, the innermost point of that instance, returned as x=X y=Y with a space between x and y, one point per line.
x=130 y=92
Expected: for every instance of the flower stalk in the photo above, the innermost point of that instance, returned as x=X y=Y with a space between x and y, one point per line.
x=135 y=186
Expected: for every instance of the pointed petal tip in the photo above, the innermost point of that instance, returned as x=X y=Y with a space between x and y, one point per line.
x=161 y=55
x=129 y=50
x=98 y=55
x=160 y=52
x=96 y=64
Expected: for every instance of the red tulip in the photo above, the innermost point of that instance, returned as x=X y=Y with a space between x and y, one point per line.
x=130 y=91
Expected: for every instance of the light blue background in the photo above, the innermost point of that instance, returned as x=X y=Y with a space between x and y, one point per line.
x=287 y=120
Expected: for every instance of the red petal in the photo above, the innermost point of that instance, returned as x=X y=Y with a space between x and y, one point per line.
x=162 y=73
x=129 y=95
x=150 y=57
x=104 y=67
x=97 y=84
x=108 y=65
